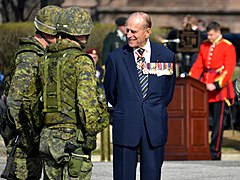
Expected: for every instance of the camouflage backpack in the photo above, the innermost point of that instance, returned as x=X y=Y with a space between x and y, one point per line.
x=59 y=99
x=57 y=103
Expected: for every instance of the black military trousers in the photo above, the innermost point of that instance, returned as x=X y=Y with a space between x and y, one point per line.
x=218 y=120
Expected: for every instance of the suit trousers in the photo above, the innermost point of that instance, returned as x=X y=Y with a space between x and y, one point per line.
x=125 y=160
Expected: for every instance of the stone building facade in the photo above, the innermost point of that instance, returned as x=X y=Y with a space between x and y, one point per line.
x=166 y=13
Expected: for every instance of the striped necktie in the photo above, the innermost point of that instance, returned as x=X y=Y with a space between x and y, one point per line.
x=143 y=78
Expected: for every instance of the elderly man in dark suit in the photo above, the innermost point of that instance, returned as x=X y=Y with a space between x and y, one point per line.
x=139 y=82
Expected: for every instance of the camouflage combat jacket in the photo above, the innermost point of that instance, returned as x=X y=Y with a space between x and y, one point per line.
x=77 y=97
x=23 y=91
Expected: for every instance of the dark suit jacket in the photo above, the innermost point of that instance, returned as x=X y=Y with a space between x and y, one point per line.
x=124 y=93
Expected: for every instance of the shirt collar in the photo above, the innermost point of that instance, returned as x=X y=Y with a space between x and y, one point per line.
x=147 y=52
x=217 y=40
x=120 y=34
x=146 y=47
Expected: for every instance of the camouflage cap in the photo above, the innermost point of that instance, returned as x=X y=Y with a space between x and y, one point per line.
x=75 y=21
x=46 y=19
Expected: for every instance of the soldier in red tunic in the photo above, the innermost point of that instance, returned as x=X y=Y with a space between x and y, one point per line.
x=214 y=67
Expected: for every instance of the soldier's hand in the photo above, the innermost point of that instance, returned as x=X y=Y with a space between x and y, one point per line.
x=89 y=144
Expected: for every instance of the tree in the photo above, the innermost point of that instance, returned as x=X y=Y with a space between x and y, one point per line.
x=23 y=10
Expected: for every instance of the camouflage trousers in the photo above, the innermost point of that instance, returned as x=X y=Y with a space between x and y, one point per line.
x=26 y=166
x=59 y=162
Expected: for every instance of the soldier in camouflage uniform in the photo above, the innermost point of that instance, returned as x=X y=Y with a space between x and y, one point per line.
x=74 y=108
x=23 y=95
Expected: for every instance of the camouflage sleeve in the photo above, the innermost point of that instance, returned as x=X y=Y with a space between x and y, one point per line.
x=103 y=107
x=87 y=94
x=21 y=89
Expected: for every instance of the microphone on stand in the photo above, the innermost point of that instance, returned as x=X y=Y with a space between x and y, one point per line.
x=170 y=40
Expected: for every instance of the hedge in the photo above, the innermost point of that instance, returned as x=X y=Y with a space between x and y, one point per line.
x=10 y=32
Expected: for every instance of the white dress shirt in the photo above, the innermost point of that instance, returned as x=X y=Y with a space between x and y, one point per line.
x=146 y=53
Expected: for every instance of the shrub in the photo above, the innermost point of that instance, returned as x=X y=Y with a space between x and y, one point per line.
x=98 y=34
x=10 y=32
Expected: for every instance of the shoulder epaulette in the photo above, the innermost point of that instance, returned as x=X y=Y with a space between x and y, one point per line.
x=34 y=49
x=28 y=45
x=85 y=54
x=227 y=41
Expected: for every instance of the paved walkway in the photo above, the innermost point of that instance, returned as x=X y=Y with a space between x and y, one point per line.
x=178 y=170
x=182 y=170
x=227 y=169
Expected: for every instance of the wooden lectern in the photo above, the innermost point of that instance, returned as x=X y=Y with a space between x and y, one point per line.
x=188 y=122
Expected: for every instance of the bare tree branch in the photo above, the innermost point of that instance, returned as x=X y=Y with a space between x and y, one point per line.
x=4 y=10
x=23 y=10
x=15 y=10
x=30 y=11
x=20 y=8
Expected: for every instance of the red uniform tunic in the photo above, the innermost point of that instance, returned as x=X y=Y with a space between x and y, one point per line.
x=215 y=64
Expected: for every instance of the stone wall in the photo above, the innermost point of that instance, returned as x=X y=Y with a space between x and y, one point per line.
x=167 y=13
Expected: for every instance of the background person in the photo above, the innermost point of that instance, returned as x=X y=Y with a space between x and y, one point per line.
x=140 y=106
x=115 y=39
x=201 y=25
x=188 y=21
x=214 y=67
x=94 y=53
